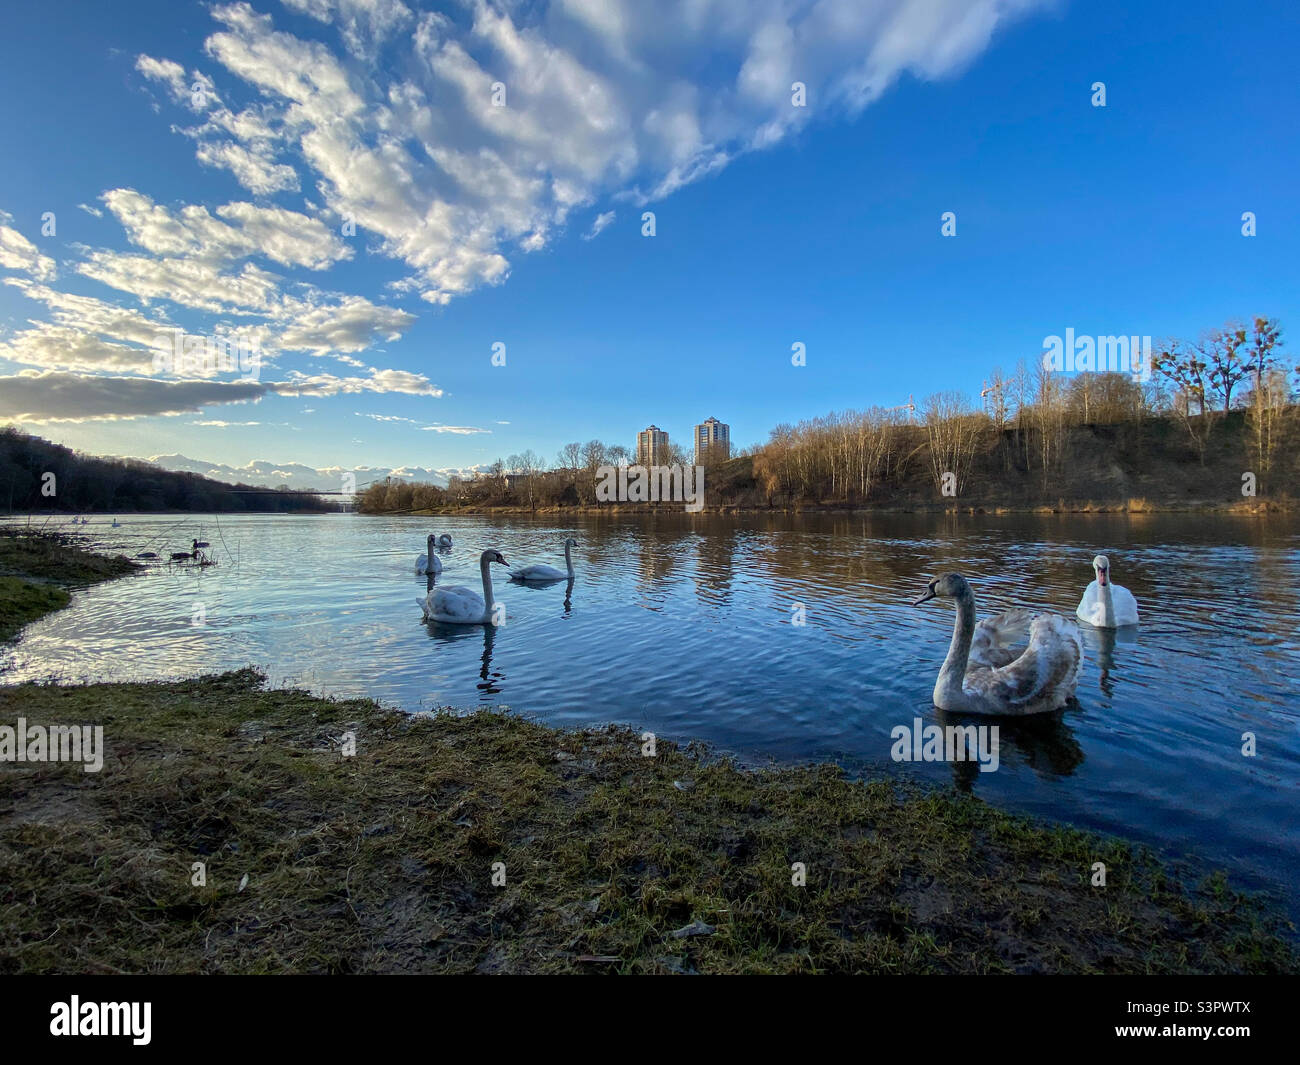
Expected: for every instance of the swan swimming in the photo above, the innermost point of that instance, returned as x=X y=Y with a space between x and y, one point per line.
x=1105 y=605
x=1004 y=679
x=444 y=540
x=540 y=572
x=428 y=562
x=463 y=606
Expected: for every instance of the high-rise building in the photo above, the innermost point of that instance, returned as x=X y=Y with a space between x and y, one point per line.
x=712 y=442
x=652 y=447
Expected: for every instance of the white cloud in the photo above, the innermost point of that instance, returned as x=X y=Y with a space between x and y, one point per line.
x=458 y=430
x=615 y=98
x=386 y=418
x=170 y=74
x=87 y=314
x=363 y=24
x=60 y=347
x=298 y=384
x=19 y=253
x=253 y=166
x=346 y=324
x=241 y=230
x=190 y=282
x=599 y=224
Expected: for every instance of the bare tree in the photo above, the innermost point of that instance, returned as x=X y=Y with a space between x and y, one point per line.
x=952 y=431
x=1227 y=360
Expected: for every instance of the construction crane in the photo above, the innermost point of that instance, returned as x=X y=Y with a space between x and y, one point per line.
x=909 y=406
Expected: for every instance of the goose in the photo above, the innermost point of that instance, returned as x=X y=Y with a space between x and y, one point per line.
x=463 y=606
x=1105 y=605
x=181 y=556
x=444 y=540
x=540 y=572
x=429 y=562
x=147 y=554
x=1041 y=678
x=200 y=543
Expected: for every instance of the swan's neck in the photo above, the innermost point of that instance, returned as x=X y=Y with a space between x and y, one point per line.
x=1107 y=598
x=568 y=560
x=954 y=666
x=487 y=586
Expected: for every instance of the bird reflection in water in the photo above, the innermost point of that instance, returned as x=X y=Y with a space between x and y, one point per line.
x=1043 y=742
x=1106 y=640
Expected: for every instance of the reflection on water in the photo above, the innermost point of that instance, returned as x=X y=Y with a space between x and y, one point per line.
x=685 y=625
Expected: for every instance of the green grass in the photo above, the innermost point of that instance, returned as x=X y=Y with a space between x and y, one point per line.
x=22 y=602
x=36 y=571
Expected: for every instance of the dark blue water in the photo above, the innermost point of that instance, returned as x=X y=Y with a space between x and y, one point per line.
x=683 y=625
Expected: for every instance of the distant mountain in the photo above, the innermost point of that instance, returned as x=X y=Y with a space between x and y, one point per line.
x=296 y=475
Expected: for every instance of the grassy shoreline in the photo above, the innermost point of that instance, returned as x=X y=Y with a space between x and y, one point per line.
x=38 y=572
x=383 y=860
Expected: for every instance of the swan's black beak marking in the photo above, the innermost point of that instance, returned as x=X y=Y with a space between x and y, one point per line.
x=929 y=594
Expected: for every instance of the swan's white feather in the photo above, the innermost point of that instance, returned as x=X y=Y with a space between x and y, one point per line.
x=1092 y=607
x=455 y=605
x=538 y=572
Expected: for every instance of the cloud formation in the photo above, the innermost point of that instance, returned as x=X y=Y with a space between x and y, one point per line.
x=483 y=133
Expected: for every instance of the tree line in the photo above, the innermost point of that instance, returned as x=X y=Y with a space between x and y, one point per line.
x=37 y=475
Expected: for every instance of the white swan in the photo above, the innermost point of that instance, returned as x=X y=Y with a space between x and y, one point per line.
x=1041 y=678
x=1105 y=605
x=428 y=562
x=463 y=606
x=540 y=572
x=444 y=540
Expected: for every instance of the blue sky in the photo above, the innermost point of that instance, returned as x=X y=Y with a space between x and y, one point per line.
x=223 y=210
